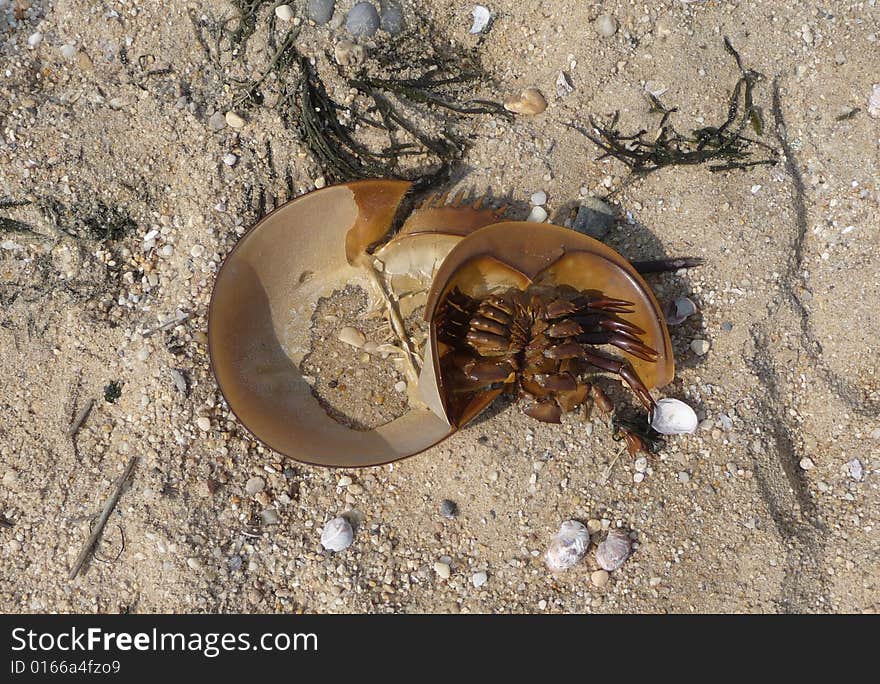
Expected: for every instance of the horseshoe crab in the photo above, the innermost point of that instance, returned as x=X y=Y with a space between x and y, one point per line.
x=268 y=288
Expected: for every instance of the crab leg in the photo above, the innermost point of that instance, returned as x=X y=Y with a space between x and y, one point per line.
x=626 y=372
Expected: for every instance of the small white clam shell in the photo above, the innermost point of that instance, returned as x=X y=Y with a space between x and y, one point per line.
x=568 y=546
x=481 y=15
x=613 y=551
x=337 y=534
x=352 y=336
x=673 y=417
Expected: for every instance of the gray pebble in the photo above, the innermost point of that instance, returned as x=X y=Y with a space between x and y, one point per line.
x=234 y=563
x=594 y=218
x=255 y=485
x=270 y=516
x=448 y=509
x=391 y=17
x=320 y=11
x=606 y=25
x=180 y=381
x=217 y=122
x=362 y=20
x=856 y=471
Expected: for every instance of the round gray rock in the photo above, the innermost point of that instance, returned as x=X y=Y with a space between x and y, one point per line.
x=391 y=18
x=320 y=11
x=594 y=218
x=363 y=20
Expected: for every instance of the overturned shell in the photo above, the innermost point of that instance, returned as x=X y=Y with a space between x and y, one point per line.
x=568 y=546
x=517 y=254
x=673 y=417
x=258 y=324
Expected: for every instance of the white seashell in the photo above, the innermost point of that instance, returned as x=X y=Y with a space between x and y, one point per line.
x=539 y=198
x=337 y=535
x=874 y=102
x=655 y=88
x=613 y=551
x=537 y=215
x=482 y=16
x=352 y=336
x=568 y=546
x=678 y=310
x=673 y=417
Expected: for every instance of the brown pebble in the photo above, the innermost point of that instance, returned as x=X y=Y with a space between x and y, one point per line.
x=529 y=102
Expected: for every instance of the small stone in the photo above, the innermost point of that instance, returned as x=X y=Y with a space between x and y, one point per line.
x=638 y=477
x=391 y=17
x=344 y=481
x=35 y=39
x=348 y=53
x=442 y=569
x=537 y=215
x=807 y=463
x=613 y=551
x=352 y=336
x=68 y=51
x=606 y=25
x=284 y=13
x=194 y=563
x=529 y=102
x=362 y=20
x=337 y=534
x=254 y=485
x=204 y=423
x=479 y=579
x=400 y=386
x=700 y=347
x=197 y=251
x=270 y=516
x=594 y=218
x=320 y=11
x=320 y=182
x=641 y=464
x=234 y=120
x=654 y=582
x=229 y=159
x=683 y=477
x=599 y=578
x=539 y=198
x=874 y=101
x=448 y=509
x=875 y=433
x=594 y=525
x=856 y=471
x=217 y=122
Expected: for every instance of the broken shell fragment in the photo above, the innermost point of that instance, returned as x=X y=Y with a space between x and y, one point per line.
x=352 y=336
x=482 y=16
x=612 y=552
x=568 y=546
x=529 y=102
x=679 y=310
x=673 y=417
x=348 y=53
x=337 y=534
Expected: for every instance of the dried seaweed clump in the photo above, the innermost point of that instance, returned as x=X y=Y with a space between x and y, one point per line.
x=11 y=225
x=403 y=116
x=91 y=219
x=723 y=147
